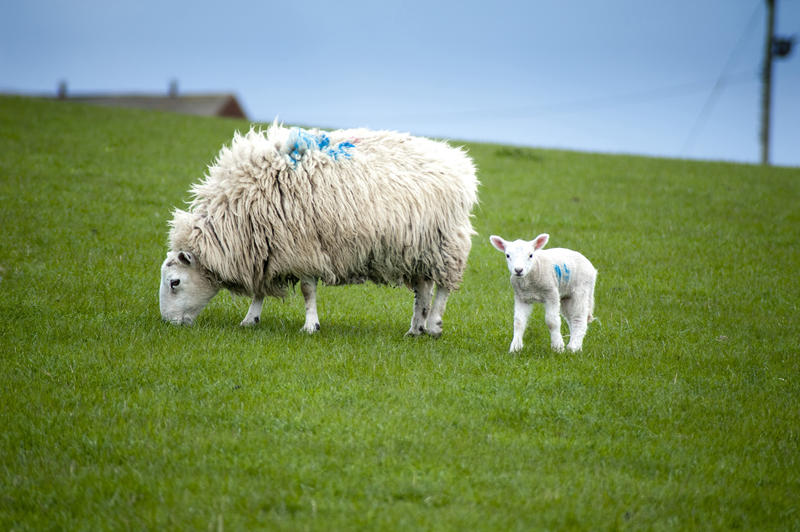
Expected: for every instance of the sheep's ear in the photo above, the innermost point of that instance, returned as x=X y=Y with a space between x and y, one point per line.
x=498 y=243
x=540 y=241
x=186 y=258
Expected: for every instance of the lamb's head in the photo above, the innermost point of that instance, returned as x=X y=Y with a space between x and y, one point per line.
x=185 y=288
x=520 y=254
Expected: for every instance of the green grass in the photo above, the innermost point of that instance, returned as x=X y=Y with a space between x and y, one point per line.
x=682 y=412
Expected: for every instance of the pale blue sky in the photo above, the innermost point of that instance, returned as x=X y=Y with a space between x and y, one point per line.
x=623 y=76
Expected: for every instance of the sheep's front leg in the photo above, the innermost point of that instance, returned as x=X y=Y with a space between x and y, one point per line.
x=552 y=318
x=308 y=285
x=434 y=323
x=522 y=311
x=422 y=306
x=253 y=313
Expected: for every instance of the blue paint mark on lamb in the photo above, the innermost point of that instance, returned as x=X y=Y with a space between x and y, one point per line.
x=562 y=273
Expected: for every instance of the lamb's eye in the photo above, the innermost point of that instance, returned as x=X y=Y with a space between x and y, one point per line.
x=174 y=282
x=530 y=256
x=508 y=256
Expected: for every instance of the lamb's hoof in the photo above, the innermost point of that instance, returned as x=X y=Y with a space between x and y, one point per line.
x=250 y=322
x=573 y=348
x=310 y=328
x=515 y=348
x=558 y=348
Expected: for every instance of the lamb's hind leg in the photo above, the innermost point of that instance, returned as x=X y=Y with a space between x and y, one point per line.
x=254 y=312
x=422 y=306
x=552 y=319
x=308 y=285
x=575 y=309
x=434 y=324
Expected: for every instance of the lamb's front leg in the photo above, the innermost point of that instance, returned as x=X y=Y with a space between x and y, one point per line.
x=522 y=311
x=552 y=317
x=253 y=313
x=308 y=285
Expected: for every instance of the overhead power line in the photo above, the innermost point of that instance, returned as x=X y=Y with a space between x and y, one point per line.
x=716 y=90
x=587 y=104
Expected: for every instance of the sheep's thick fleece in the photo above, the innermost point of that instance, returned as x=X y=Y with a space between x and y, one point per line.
x=344 y=206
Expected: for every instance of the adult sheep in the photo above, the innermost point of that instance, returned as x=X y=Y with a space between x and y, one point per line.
x=342 y=207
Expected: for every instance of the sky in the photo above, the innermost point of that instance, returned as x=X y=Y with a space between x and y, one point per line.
x=674 y=79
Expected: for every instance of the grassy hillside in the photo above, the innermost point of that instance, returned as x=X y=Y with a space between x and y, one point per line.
x=681 y=412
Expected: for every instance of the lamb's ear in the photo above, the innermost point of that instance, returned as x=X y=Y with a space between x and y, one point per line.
x=498 y=243
x=540 y=241
x=186 y=258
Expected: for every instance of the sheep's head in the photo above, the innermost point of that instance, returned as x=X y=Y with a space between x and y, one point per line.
x=520 y=253
x=185 y=289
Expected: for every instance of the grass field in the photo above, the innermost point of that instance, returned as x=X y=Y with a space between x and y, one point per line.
x=682 y=411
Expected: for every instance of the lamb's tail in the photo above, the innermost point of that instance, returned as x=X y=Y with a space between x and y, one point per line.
x=591 y=317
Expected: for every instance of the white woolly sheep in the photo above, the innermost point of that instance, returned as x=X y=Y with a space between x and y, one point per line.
x=342 y=207
x=560 y=278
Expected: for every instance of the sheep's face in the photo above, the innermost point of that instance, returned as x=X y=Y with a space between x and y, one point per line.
x=184 y=290
x=520 y=254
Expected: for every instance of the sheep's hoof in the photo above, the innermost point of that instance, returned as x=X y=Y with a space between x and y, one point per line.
x=434 y=329
x=558 y=348
x=419 y=331
x=250 y=322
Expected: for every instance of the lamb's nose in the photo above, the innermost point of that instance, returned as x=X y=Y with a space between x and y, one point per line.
x=518 y=271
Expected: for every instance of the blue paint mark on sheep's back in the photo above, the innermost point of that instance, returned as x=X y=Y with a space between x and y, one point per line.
x=566 y=273
x=342 y=149
x=558 y=272
x=301 y=141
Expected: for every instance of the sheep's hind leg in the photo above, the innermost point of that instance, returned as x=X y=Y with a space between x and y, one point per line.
x=253 y=313
x=422 y=306
x=308 y=285
x=434 y=324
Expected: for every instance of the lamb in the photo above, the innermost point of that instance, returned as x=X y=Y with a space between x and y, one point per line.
x=342 y=207
x=560 y=278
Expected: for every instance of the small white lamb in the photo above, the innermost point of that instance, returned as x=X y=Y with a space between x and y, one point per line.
x=560 y=278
